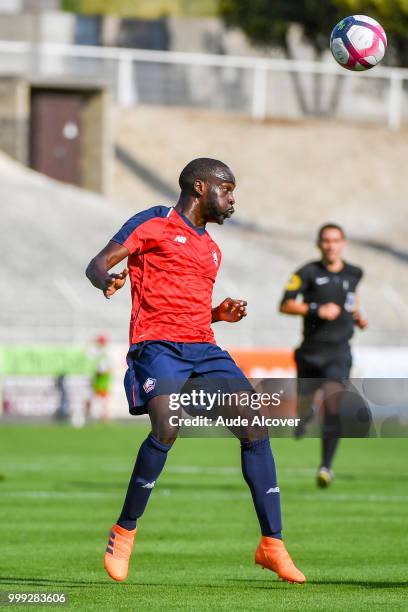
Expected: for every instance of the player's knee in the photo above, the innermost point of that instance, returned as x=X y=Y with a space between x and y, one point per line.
x=167 y=440
x=164 y=423
x=251 y=434
x=252 y=442
x=165 y=435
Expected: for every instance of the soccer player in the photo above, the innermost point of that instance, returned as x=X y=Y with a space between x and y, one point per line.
x=101 y=379
x=330 y=310
x=172 y=264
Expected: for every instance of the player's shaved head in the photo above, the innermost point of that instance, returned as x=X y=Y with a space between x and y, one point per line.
x=204 y=168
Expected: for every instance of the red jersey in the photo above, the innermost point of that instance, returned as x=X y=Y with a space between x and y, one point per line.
x=172 y=267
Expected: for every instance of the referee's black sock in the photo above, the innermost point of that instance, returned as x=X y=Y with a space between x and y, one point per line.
x=331 y=432
x=329 y=446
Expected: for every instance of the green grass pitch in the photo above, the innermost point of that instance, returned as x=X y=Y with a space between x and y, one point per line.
x=63 y=488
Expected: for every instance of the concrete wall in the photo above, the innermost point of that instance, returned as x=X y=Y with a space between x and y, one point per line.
x=12 y=6
x=46 y=27
x=96 y=143
x=206 y=35
x=14 y=118
x=96 y=155
x=40 y=21
x=41 y=5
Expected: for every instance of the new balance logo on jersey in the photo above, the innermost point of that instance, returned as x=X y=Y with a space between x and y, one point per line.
x=322 y=280
x=149 y=384
x=149 y=485
x=180 y=239
x=215 y=258
x=273 y=490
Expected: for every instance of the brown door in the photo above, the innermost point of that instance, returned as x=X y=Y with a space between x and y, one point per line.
x=55 y=135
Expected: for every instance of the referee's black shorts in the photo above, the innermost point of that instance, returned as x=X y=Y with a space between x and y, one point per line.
x=316 y=364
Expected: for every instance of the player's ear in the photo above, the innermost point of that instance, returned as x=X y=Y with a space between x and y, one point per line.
x=199 y=187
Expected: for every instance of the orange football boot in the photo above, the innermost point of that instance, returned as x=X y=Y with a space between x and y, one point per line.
x=272 y=554
x=118 y=551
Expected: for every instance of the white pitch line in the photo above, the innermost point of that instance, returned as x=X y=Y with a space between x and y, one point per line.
x=358 y=497
x=196 y=469
x=331 y=497
x=123 y=467
x=58 y=494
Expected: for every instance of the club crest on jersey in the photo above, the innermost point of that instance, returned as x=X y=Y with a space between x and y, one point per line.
x=149 y=384
x=180 y=239
x=215 y=258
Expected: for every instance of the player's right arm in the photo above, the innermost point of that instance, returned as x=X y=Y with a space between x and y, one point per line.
x=139 y=234
x=98 y=268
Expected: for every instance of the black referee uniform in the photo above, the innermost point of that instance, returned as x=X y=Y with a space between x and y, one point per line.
x=325 y=350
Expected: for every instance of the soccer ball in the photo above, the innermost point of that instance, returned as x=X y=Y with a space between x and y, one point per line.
x=358 y=42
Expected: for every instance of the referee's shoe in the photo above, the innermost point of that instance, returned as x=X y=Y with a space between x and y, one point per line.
x=324 y=477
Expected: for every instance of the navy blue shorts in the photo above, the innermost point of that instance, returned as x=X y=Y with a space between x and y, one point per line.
x=163 y=367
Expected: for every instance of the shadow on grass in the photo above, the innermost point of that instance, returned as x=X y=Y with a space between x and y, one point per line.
x=48 y=582
x=13 y=580
x=368 y=584
x=256 y=584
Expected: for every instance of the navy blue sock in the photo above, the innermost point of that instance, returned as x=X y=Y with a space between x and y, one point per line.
x=149 y=464
x=258 y=469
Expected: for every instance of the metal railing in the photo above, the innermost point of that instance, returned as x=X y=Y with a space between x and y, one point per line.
x=261 y=87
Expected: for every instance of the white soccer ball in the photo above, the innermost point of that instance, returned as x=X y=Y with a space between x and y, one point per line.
x=358 y=42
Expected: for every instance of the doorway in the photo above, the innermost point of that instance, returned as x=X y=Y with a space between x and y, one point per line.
x=55 y=134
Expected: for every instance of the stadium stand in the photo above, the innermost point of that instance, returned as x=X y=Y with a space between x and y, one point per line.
x=287 y=187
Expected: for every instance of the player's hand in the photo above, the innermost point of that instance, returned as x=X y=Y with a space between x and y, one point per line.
x=359 y=320
x=230 y=310
x=329 y=311
x=114 y=282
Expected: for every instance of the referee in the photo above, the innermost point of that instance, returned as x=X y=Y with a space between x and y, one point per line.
x=330 y=310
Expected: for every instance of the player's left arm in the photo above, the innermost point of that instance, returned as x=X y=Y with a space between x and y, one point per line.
x=229 y=310
x=359 y=319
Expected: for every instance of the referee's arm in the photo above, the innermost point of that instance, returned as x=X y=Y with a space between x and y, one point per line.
x=328 y=311
x=290 y=303
x=359 y=319
x=293 y=307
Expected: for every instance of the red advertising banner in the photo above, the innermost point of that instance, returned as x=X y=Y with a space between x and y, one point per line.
x=265 y=363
